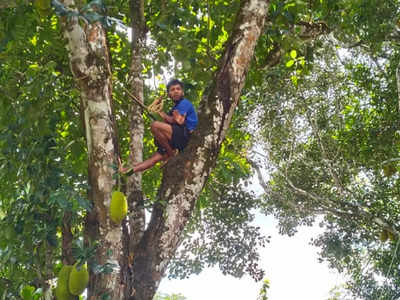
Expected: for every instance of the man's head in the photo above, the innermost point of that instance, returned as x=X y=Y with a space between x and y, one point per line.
x=175 y=89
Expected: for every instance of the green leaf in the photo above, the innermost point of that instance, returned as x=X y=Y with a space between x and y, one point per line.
x=84 y=203
x=27 y=292
x=106 y=296
x=293 y=54
x=34 y=66
x=294 y=80
x=38 y=294
x=162 y=26
x=290 y=63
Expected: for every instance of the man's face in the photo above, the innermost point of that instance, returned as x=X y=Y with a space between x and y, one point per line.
x=175 y=92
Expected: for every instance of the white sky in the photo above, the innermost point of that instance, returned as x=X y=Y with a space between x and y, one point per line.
x=290 y=263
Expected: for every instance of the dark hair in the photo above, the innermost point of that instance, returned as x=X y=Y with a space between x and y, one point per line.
x=174 y=82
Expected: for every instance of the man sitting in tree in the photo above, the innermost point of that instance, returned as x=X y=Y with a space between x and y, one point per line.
x=173 y=132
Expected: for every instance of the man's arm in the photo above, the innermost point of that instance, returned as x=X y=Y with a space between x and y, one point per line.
x=176 y=117
x=166 y=118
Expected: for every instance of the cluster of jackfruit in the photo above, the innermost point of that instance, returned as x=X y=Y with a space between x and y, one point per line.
x=118 y=207
x=71 y=282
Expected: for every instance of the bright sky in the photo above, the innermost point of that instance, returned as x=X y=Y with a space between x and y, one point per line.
x=290 y=263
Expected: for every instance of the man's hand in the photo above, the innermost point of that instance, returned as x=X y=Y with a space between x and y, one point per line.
x=121 y=168
x=178 y=118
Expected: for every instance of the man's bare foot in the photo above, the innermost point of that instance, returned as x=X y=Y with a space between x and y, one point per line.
x=166 y=157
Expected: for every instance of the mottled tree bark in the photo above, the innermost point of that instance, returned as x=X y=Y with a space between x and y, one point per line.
x=137 y=217
x=136 y=222
x=185 y=175
x=90 y=65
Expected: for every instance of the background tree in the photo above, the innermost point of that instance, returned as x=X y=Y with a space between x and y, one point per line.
x=332 y=143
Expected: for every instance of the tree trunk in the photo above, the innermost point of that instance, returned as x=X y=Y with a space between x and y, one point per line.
x=137 y=218
x=89 y=62
x=185 y=175
x=134 y=187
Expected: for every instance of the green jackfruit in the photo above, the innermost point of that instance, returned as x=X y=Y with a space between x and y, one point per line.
x=389 y=170
x=62 y=290
x=78 y=279
x=392 y=236
x=43 y=4
x=383 y=236
x=43 y=7
x=118 y=207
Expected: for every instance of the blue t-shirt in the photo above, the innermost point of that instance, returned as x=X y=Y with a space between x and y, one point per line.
x=184 y=106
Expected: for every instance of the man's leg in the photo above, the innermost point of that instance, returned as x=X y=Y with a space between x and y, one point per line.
x=162 y=132
x=150 y=162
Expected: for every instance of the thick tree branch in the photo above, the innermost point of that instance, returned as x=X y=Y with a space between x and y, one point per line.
x=311 y=30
